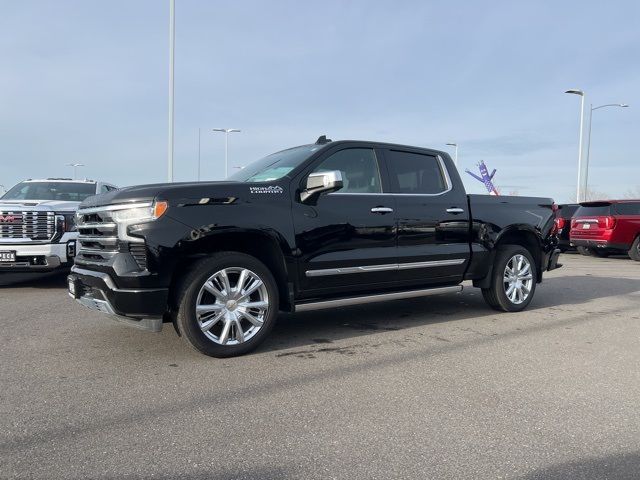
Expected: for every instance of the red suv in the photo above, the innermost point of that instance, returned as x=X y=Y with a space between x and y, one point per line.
x=603 y=228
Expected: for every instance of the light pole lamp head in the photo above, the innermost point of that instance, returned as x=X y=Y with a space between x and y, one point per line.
x=452 y=144
x=575 y=91
x=226 y=130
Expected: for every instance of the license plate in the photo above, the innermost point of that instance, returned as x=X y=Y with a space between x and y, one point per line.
x=586 y=226
x=8 y=256
x=73 y=288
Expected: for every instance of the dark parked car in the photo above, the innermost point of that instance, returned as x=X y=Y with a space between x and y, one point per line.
x=563 y=222
x=312 y=227
x=607 y=227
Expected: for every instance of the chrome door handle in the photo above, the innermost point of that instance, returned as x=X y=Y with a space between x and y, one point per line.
x=382 y=210
x=455 y=210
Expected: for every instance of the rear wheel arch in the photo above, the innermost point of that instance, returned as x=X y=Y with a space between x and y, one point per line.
x=527 y=239
x=512 y=284
x=514 y=236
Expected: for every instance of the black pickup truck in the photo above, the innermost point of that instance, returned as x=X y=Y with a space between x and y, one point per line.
x=317 y=226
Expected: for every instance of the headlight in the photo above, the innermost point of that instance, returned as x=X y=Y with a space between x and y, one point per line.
x=70 y=222
x=66 y=222
x=122 y=215
x=140 y=214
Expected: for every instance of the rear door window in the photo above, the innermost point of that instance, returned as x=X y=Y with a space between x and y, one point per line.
x=631 y=208
x=415 y=173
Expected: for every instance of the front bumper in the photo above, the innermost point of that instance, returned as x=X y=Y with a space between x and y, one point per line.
x=139 y=308
x=39 y=257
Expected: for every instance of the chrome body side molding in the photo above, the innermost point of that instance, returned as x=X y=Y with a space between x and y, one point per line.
x=382 y=297
x=386 y=267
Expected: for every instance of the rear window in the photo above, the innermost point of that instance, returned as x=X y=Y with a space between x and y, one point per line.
x=631 y=208
x=567 y=211
x=601 y=210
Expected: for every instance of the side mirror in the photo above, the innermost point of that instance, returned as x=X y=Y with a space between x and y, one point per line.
x=321 y=182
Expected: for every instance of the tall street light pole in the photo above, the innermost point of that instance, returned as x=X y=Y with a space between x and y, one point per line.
x=75 y=168
x=172 y=44
x=226 y=131
x=620 y=105
x=455 y=158
x=579 y=191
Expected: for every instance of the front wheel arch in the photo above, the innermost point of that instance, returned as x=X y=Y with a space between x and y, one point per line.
x=259 y=245
x=189 y=320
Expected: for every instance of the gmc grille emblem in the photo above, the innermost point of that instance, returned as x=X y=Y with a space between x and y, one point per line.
x=7 y=218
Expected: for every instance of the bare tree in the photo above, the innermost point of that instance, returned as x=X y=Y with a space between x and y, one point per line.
x=633 y=193
x=592 y=195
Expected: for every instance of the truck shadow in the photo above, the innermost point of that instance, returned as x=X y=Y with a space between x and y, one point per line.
x=328 y=326
x=621 y=466
x=34 y=280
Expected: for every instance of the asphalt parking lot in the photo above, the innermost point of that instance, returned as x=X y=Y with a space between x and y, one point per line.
x=440 y=387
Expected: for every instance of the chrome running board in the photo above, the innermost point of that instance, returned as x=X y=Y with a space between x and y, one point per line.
x=382 y=297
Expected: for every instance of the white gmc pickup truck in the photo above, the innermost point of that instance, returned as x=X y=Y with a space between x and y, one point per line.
x=37 y=223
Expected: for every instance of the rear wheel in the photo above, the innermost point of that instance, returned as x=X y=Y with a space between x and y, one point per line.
x=585 y=251
x=228 y=305
x=513 y=280
x=634 y=251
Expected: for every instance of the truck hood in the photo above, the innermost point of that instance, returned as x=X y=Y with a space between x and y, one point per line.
x=38 y=205
x=179 y=191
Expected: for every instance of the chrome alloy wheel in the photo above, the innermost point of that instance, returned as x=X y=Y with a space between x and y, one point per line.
x=518 y=279
x=231 y=306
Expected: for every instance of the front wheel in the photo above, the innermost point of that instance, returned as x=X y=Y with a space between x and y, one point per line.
x=513 y=280
x=228 y=304
x=634 y=251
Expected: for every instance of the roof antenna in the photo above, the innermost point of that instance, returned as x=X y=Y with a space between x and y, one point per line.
x=322 y=139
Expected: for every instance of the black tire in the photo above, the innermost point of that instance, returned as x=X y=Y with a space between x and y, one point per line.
x=634 y=251
x=189 y=290
x=496 y=295
x=585 y=251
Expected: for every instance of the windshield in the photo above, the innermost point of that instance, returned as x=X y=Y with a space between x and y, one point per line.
x=275 y=166
x=63 y=191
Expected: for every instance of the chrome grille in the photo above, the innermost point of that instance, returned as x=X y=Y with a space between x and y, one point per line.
x=98 y=240
x=34 y=225
x=97 y=237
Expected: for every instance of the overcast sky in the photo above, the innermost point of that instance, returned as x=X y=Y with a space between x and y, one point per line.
x=87 y=81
